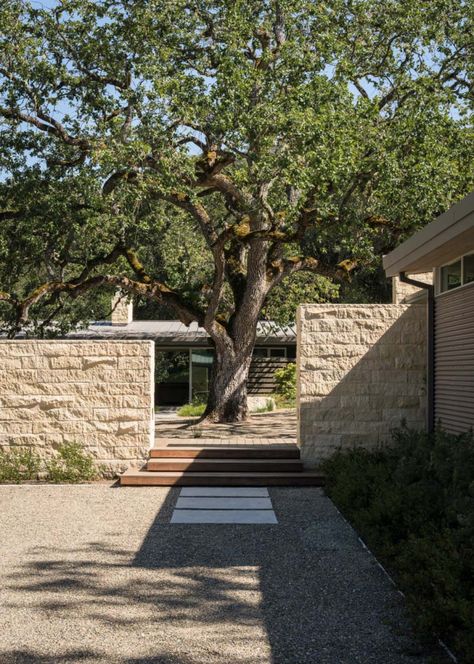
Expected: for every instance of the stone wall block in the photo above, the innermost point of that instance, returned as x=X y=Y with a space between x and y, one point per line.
x=12 y=428
x=26 y=375
x=98 y=393
x=58 y=426
x=361 y=371
x=134 y=362
x=64 y=362
x=124 y=452
x=122 y=415
x=127 y=389
x=100 y=361
x=21 y=349
x=130 y=401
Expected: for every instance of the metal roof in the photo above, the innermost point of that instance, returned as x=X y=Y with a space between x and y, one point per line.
x=174 y=333
x=446 y=238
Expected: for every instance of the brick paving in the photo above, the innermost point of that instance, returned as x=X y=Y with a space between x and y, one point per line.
x=274 y=428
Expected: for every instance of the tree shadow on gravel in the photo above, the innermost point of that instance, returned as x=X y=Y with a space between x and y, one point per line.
x=84 y=657
x=300 y=592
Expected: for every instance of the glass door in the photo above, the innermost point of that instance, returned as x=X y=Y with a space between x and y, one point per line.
x=201 y=365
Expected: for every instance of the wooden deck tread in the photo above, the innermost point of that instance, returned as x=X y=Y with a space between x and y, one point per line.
x=221 y=452
x=174 y=478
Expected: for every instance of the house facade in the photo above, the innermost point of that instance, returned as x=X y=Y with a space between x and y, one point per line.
x=444 y=250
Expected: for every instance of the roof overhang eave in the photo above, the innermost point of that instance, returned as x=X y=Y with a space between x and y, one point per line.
x=444 y=239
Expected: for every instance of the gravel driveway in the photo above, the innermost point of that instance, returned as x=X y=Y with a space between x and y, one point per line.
x=98 y=574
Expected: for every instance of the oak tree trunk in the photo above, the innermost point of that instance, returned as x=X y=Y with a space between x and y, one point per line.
x=234 y=342
x=227 y=400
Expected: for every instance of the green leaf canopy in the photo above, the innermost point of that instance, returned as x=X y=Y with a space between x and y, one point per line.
x=199 y=152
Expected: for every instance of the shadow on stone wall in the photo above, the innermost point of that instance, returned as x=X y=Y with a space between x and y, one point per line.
x=362 y=372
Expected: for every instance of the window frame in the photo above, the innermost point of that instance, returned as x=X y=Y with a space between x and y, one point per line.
x=268 y=350
x=438 y=277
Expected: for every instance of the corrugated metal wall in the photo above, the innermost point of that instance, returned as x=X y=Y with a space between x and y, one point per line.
x=454 y=359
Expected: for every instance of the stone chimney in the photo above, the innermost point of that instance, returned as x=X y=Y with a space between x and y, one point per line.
x=404 y=293
x=122 y=309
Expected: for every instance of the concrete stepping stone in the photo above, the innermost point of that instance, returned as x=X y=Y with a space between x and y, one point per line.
x=224 y=516
x=237 y=503
x=224 y=505
x=225 y=491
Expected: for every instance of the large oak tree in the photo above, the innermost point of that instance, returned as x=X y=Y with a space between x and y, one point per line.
x=266 y=136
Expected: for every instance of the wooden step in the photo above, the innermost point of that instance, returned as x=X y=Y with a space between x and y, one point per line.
x=193 y=465
x=133 y=477
x=224 y=452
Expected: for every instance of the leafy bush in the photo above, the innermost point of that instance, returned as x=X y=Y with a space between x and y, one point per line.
x=414 y=505
x=192 y=410
x=285 y=379
x=71 y=464
x=18 y=465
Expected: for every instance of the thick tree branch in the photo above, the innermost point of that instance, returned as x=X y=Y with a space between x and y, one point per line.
x=146 y=287
x=197 y=211
x=47 y=124
x=218 y=252
x=73 y=288
x=225 y=185
x=285 y=267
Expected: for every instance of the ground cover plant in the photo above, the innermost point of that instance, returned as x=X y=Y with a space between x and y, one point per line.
x=285 y=392
x=70 y=463
x=19 y=464
x=192 y=410
x=413 y=504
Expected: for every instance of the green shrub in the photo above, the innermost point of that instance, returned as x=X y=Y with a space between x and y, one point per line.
x=18 y=465
x=192 y=410
x=413 y=504
x=285 y=379
x=71 y=464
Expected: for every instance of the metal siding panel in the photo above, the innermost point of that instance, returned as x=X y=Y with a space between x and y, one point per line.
x=454 y=360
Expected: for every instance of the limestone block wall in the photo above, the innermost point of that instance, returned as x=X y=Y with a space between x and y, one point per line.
x=361 y=371
x=97 y=393
x=402 y=292
x=122 y=310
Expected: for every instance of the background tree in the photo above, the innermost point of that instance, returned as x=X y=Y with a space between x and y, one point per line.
x=280 y=135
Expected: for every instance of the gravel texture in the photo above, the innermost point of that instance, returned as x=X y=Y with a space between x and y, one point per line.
x=98 y=574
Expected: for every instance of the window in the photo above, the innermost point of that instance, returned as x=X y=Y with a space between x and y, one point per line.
x=201 y=365
x=456 y=274
x=468 y=269
x=451 y=276
x=291 y=352
x=269 y=352
x=277 y=352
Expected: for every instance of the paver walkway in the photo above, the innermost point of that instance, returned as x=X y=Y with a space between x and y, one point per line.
x=276 y=427
x=224 y=505
x=97 y=574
